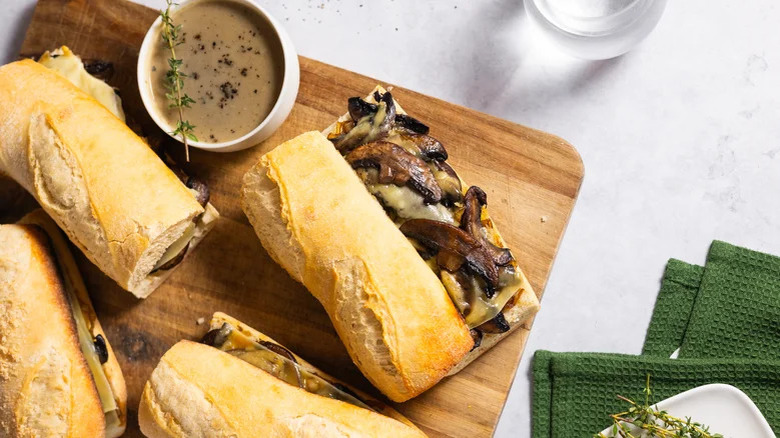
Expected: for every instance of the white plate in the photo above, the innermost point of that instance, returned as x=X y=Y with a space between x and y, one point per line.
x=724 y=408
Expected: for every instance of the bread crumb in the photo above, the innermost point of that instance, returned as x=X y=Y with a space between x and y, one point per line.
x=543 y=219
x=201 y=320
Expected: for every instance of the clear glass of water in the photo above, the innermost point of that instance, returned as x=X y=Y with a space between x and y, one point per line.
x=595 y=29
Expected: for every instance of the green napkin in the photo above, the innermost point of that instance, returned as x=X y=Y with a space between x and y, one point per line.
x=574 y=393
x=673 y=308
x=724 y=318
x=737 y=309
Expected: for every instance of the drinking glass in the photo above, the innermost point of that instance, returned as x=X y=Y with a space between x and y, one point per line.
x=595 y=29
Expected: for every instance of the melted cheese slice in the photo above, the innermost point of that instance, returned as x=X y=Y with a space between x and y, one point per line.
x=243 y=347
x=64 y=62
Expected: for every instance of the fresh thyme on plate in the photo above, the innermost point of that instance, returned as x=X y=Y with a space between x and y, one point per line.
x=642 y=420
x=174 y=79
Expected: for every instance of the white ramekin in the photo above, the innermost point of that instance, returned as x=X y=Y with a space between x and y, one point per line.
x=280 y=110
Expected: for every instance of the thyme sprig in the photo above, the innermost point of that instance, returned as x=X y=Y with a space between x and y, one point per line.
x=174 y=79
x=643 y=420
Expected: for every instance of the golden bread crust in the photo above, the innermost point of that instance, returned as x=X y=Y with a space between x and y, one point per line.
x=46 y=388
x=220 y=318
x=113 y=197
x=186 y=397
x=316 y=218
x=526 y=303
x=69 y=270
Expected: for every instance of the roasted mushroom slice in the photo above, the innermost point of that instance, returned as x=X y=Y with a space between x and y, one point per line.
x=198 y=188
x=100 y=348
x=471 y=221
x=359 y=108
x=278 y=349
x=368 y=128
x=496 y=325
x=458 y=245
x=409 y=123
x=420 y=145
x=217 y=337
x=477 y=336
x=201 y=190
x=278 y=362
x=397 y=166
x=100 y=69
x=430 y=148
x=177 y=258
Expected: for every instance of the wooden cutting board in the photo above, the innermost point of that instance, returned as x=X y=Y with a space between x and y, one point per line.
x=531 y=178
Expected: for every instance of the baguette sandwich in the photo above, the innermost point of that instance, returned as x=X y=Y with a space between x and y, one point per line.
x=240 y=383
x=58 y=373
x=115 y=199
x=400 y=252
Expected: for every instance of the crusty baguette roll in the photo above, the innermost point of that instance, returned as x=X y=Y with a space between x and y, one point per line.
x=46 y=386
x=113 y=197
x=73 y=282
x=316 y=219
x=219 y=319
x=525 y=304
x=199 y=391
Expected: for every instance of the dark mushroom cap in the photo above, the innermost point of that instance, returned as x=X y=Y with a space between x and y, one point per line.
x=100 y=348
x=98 y=68
x=359 y=108
x=458 y=245
x=430 y=148
x=371 y=127
x=471 y=221
x=200 y=187
x=217 y=337
x=496 y=325
x=397 y=166
x=411 y=124
x=476 y=335
x=174 y=261
x=278 y=349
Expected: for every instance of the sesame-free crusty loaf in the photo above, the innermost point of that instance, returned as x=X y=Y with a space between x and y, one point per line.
x=46 y=385
x=113 y=197
x=316 y=219
x=199 y=391
x=523 y=304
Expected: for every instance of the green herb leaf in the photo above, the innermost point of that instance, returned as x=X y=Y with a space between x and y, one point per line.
x=174 y=78
x=653 y=422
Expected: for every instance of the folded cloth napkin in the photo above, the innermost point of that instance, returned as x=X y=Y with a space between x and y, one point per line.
x=725 y=320
x=737 y=309
x=673 y=308
x=574 y=393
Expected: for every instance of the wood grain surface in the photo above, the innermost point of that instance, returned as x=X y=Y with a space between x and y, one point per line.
x=531 y=178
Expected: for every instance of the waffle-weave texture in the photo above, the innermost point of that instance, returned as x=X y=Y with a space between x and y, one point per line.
x=673 y=308
x=737 y=309
x=724 y=317
x=583 y=387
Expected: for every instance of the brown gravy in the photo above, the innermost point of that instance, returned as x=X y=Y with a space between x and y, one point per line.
x=234 y=65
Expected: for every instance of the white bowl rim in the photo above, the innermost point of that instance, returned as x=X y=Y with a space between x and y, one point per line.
x=761 y=422
x=288 y=52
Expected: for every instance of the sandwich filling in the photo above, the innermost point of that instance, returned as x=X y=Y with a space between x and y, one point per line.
x=407 y=172
x=96 y=354
x=175 y=253
x=93 y=346
x=278 y=362
x=67 y=64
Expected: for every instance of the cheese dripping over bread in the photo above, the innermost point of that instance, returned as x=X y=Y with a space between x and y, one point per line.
x=447 y=222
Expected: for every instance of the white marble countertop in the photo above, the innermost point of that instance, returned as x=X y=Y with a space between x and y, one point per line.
x=680 y=137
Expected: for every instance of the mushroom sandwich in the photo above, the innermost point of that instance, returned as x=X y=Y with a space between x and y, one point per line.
x=401 y=253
